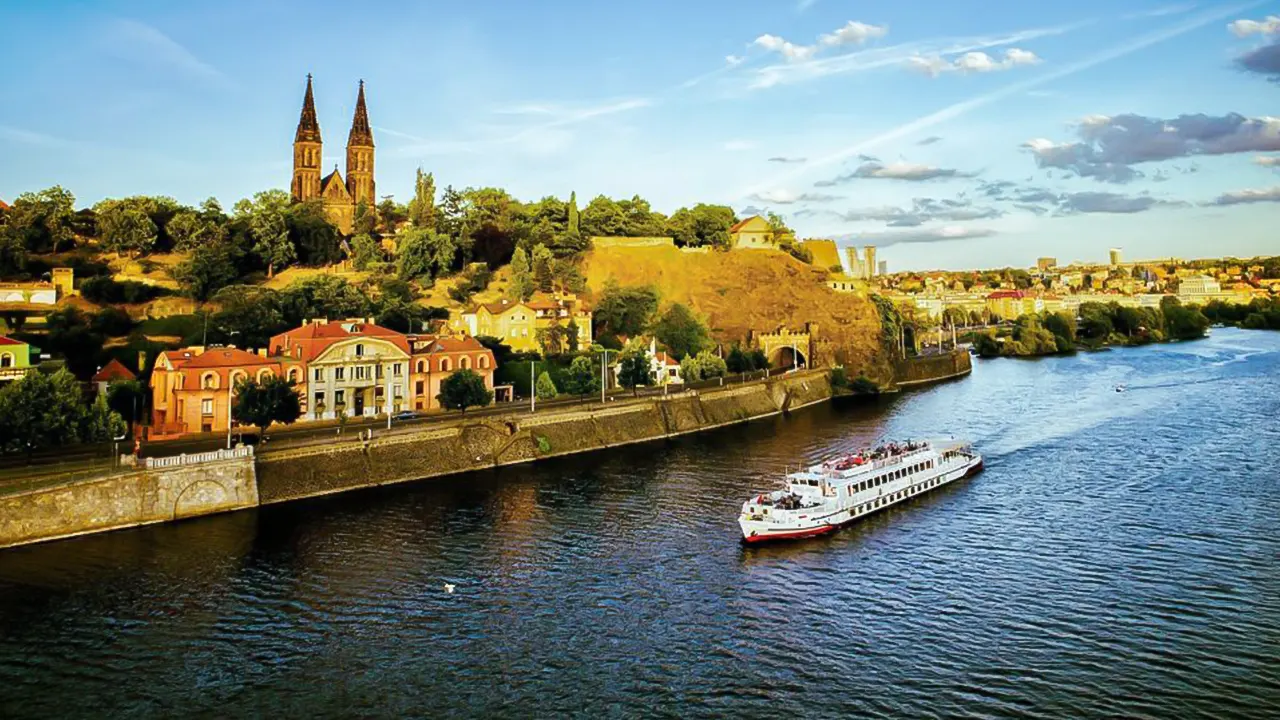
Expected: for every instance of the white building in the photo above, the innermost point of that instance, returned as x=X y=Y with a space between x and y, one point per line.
x=665 y=368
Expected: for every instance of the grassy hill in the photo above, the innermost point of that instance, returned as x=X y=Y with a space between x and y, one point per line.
x=737 y=292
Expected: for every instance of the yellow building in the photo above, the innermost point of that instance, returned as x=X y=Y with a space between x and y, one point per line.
x=825 y=253
x=1011 y=304
x=517 y=323
x=753 y=233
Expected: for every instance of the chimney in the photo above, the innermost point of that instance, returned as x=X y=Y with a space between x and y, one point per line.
x=262 y=352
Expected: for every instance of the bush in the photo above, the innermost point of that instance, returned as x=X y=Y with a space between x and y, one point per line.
x=864 y=385
x=112 y=322
x=105 y=290
x=838 y=378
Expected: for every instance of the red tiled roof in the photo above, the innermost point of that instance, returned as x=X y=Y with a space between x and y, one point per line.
x=739 y=225
x=315 y=338
x=114 y=370
x=227 y=357
x=4 y=205
x=666 y=359
x=1016 y=294
x=455 y=344
x=9 y=341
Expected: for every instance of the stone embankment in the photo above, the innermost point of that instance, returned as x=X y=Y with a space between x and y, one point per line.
x=494 y=441
x=932 y=368
x=162 y=489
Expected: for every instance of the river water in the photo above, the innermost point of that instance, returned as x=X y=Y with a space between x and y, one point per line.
x=1119 y=557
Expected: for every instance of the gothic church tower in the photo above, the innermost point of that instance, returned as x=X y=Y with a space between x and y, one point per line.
x=307 y=151
x=360 y=156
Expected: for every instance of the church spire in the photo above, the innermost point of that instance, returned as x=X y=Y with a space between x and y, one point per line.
x=361 y=133
x=308 y=126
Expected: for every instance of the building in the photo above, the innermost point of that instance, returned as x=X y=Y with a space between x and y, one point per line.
x=15 y=359
x=112 y=372
x=752 y=233
x=1116 y=257
x=192 y=389
x=883 y=268
x=39 y=295
x=869 y=261
x=340 y=197
x=350 y=367
x=855 y=264
x=843 y=283
x=1011 y=304
x=664 y=366
x=825 y=253
x=517 y=323
x=1045 y=264
x=436 y=358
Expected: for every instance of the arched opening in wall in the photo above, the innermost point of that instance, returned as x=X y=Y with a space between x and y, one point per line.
x=483 y=362
x=209 y=381
x=293 y=374
x=464 y=363
x=6 y=360
x=237 y=377
x=420 y=367
x=445 y=365
x=785 y=358
x=263 y=374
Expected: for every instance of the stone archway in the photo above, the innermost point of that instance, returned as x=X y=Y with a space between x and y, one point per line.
x=198 y=497
x=784 y=347
x=785 y=357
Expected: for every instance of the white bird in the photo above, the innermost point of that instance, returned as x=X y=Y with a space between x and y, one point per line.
x=448 y=587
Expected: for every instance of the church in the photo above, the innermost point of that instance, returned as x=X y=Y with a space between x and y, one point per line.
x=340 y=196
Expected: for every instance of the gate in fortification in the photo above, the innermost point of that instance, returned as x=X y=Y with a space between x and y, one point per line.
x=786 y=348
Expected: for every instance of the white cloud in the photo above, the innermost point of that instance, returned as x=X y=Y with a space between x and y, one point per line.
x=974 y=61
x=733 y=60
x=965 y=107
x=853 y=33
x=1241 y=197
x=921 y=235
x=737 y=145
x=1245 y=28
x=143 y=43
x=783 y=196
x=1268 y=161
x=788 y=50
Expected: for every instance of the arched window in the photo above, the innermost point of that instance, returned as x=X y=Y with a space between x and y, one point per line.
x=6 y=360
x=464 y=363
x=421 y=367
x=445 y=365
x=237 y=377
x=209 y=381
x=263 y=374
x=483 y=362
x=293 y=374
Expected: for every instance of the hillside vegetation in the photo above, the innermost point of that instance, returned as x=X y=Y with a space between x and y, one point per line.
x=737 y=292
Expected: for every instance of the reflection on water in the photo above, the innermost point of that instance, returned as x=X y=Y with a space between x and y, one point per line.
x=1118 y=557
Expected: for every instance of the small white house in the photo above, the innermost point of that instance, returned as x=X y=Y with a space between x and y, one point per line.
x=666 y=368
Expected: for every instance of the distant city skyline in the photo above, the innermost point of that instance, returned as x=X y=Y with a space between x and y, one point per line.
x=949 y=135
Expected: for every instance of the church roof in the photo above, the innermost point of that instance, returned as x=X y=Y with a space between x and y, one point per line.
x=335 y=179
x=308 y=125
x=361 y=133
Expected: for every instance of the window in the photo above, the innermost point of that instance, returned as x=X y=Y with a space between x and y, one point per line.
x=318 y=374
x=379 y=372
x=263 y=374
x=395 y=370
x=420 y=367
x=319 y=399
x=339 y=397
x=464 y=362
x=418 y=389
x=338 y=372
x=206 y=406
x=359 y=350
x=293 y=374
x=209 y=381
x=445 y=365
x=6 y=360
x=483 y=362
x=359 y=372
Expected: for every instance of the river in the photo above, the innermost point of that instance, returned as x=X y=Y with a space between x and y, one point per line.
x=1118 y=557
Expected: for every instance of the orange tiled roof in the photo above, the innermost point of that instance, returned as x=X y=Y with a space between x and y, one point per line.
x=9 y=341
x=227 y=357
x=741 y=223
x=114 y=370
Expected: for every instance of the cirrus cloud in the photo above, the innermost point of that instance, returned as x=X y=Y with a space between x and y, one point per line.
x=781 y=196
x=946 y=233
x=895 y=171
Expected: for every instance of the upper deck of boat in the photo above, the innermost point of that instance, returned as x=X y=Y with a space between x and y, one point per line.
x=856 y=466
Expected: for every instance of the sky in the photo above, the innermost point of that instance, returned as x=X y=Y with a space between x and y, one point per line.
x=951 y=135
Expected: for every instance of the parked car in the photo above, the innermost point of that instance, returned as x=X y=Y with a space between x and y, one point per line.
x=404 y=415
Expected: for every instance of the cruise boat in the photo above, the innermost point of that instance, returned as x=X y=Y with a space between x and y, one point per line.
x=839 y=491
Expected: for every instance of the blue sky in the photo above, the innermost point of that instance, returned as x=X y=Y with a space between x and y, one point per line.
x=951 y=134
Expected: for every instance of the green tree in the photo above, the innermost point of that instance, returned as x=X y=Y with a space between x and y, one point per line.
x=635 y=370
x=273 y=400
x=422 y=208
x=489 y=227
x=316 y=240
x=41 y=411
x=690 y=370
x=100 y=423
x=681 y=332
x=266 y=217
x=191 y=230
x=250 y=315
x=42 y=221
x=710 y=365
x=208 y=269
x=324 y=296
x=702 y=225
x=464 y=389
x=738 y=361
x=573 y=224
x=624 y=311
x=543 y=268
x=582 y=379
x=125 y=226
x=424 y=254
x=364 y=220
x=128 y=398
x=545 y=388
x=390 y=215
x=1061 y=324
x=365 y=251
x=522 y=282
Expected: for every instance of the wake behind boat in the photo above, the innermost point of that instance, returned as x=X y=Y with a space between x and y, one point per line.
x=820 y=499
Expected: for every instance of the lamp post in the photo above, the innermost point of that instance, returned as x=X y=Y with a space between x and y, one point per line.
x=230 y=383
x=604 y=375
x=533 y=390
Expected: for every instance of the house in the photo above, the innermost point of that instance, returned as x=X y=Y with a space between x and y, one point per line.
x=752 y=233
x=1011 y=304
x=191 y=389
x=437 y=358
x=350 y=367
x=516 y=323
x=664 y=366
x=112 y=372
x=15 y=359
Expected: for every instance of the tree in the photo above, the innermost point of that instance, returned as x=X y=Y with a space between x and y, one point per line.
x=573 y=224
x=316 y=240
x=572 y=333
x=125 y=226
x=635 y=370
x=100 y=423
x=464 y=389
x=522 y=284
x=1061 y=324
x=701 y=225
x=689 y=370
x=422 y=208
x=553 y=339
x=191 y=230
x=545 y=388
x=424 y=254
x=207 y=270
x=624 y=311
x=738 y=362
x=39 y=411
x=250 y=315
x=365 y=251
x=489 y=225
x=583 y=379
x=390 y=215
x=324 y=296
x=543 y=266
x=266 y=216
x=41 y=221
x=710 y=365
x=273 y=400
x=365 y=219
x=681 y=332
x=128 y=398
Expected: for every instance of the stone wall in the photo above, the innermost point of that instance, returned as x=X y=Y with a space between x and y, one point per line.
x=931 y=368
x=128 y=499
x=494 y=441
